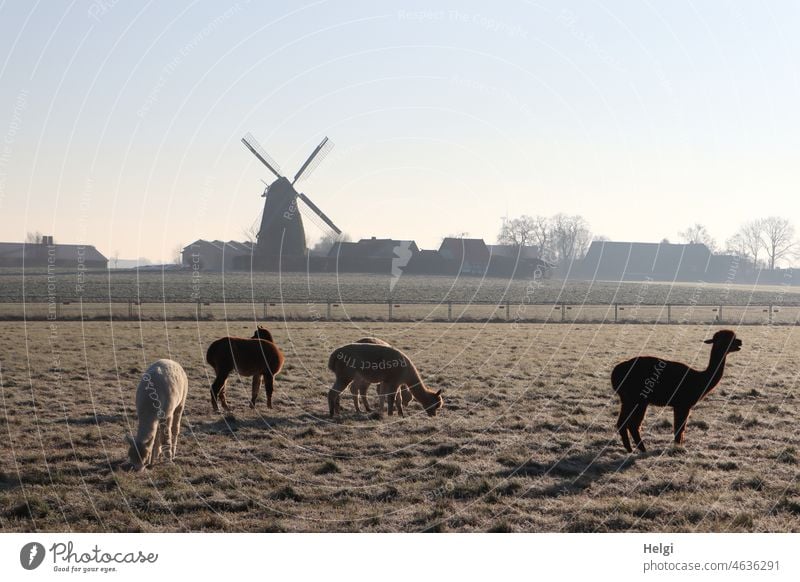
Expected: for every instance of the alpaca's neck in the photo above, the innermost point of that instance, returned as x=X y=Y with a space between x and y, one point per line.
x=416 y=386
x=145 y=437
x=713 y=373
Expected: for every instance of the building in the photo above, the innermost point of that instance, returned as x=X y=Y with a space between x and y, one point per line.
x=48 y=253
x=469 y=255
x=371 y=255
x=216 y=255
x=636 y=261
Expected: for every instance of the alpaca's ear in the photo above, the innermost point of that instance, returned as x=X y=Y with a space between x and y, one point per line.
x=128 y=440
x=439 y=393
x=710 y=341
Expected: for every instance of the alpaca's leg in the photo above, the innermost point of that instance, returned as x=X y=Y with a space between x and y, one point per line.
x=256 y=388
x=269 y=386
x=363 y=394
x=390 y=395
x=622 y=426
x=681 y=416
x=405 y=394
x=334 y=394
x=168 y=436
x=176 y=429
x=399 y=401
x=635 y=423
x=218 y=390
x=354 y=391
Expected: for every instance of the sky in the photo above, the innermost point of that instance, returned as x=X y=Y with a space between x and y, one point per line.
x=120 y=121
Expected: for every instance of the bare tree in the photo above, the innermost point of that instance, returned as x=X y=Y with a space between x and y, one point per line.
x=542 y=236
x=779 y=242
x=752 y=239
x=698 y=234
x=251 y=233
x=325 y=244
x=517 y=231
x=737 y=246
x=571 y=237
x=33 y=237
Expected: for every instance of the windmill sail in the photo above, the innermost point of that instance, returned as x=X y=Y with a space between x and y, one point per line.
x=314 y=160
x=319 y=212
x=251 y=143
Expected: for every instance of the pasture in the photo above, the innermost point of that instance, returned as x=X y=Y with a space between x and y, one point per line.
x=525 y=442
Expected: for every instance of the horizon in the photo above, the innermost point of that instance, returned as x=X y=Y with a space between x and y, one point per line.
x=122 y=123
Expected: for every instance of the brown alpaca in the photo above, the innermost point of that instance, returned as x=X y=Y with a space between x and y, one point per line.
x=360 y=385
x=249 y=357
x=647 y=380
x=375 y=363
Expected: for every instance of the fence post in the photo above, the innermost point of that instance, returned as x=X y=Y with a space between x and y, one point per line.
x=391 y=305
x=130 y=309
x=770 y=313
x=719 y=314
x=449 y=311
x=508 y=309
x=669 y=313
x=265 y=309
x=199 y=312
x=616 y=307
x=329 y=310
x=563 y=312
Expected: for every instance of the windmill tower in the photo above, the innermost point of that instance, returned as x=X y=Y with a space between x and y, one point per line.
x=281 y=240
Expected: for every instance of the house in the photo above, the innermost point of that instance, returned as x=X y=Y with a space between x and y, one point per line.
x=371 y=255
x=48 y=253
x=469 y=255
x=620 y=261
x=216 y=255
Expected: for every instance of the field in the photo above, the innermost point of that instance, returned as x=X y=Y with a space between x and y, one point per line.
x=525 y=442
x=183 y=286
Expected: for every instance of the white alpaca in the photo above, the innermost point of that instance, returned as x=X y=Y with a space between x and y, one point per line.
x=160 y=399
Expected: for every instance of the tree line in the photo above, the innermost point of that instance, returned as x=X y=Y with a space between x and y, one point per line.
x=765 y=242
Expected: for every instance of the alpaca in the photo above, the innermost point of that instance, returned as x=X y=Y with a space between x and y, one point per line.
x=258 y=358
x=359 y=385
x=160 y=399
x=648 y=380
x=375 y=363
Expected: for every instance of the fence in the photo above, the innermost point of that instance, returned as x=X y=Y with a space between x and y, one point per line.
x=453 y=311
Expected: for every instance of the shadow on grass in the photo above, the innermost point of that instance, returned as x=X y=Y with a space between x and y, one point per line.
x=576 y=471
x=230 y=424
x=97 y=419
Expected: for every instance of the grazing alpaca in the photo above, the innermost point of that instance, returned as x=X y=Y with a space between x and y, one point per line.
x=263 y=333
x=647 y=380
x=375 y=363
x=249 y=357
x=160 y=398
x=360 y=385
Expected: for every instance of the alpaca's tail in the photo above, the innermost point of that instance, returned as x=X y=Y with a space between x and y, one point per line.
x=332 y=360
x=210 y=354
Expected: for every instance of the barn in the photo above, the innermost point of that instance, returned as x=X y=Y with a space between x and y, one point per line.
x=216 y=255
x=48 y=253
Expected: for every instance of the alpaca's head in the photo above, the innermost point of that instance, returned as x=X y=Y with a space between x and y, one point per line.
x=726 y=341
x=136 y=454
x=263 y=333
x=436 y=402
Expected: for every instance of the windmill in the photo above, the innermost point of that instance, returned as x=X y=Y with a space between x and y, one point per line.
x=281 y=240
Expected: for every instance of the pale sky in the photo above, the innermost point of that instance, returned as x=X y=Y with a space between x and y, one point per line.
x=120 y=121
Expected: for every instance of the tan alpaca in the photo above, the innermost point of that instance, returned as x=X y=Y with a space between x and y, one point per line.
x=376 y=363
x=359 y=386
